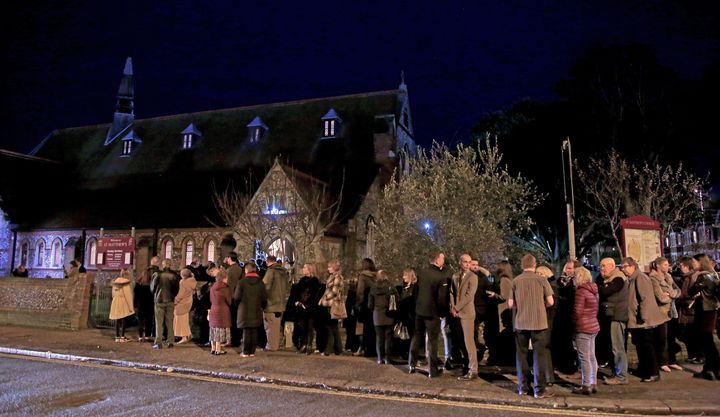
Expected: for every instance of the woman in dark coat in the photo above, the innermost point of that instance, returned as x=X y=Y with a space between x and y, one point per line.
x=381 y=296
x=366 y=281
x=251 y=296
x=303 y=303
x=219 y=314
x=706 y=304
x=406 y=311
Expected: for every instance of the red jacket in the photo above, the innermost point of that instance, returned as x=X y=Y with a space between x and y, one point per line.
x=585 y=312
x=220 y=309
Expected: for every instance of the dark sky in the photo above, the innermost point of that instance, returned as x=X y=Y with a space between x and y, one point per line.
x=63 y=60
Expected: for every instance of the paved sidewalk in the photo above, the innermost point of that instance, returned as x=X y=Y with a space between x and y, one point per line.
x=677 y=393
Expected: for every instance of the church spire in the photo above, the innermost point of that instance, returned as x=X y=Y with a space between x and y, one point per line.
x=125 y=107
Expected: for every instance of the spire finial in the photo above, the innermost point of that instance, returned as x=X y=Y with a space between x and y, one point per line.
x=403 y=86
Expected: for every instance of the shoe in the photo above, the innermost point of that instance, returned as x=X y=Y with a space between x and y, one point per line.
x=432 y=375
x=523 y=392
x=604 y=364
x=545 y=393
x=705 y=375
x=697 y=361
x=583 y=390
x=359 y=352
x=653 y=378
x=593 y=388
x=665 y=368
x=676 y=367
x=244 y=355
x=379 y=361
x=468 y=377
x=183 y=340
x=221 y=352
x=325 y=354
x=170 y=345
x=157 y=346
x=412 y=369
x=448 y=365
x=386 y=361
x=615 y=381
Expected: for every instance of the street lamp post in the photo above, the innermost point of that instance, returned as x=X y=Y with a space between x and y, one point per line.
x=569 y=202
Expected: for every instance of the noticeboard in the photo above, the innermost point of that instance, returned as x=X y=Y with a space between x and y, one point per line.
x=115 y=252
x=641 y=240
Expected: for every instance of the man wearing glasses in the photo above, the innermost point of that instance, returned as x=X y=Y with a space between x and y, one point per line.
x=614 y=313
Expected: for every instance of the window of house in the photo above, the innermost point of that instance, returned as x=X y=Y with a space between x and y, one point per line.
x=40 y=253
x=24 y=249
x=129 y=143
x=56 y=253
x=167 y=249
x=187 y=141
x=127 y=147
x=210 y=251
x=188 y=252
x=189 y=136
x=331 y=124
x=92 y=253
x=256 y=130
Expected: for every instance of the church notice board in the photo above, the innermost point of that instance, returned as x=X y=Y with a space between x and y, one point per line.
x=115 y=252
x=641 y=240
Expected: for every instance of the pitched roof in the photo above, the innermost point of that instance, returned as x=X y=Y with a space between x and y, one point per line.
x=161 y=169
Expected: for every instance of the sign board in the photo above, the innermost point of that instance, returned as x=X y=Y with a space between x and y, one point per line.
x=115 y=252
x=641 y=240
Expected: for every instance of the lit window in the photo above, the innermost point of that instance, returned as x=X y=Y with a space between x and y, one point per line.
x=40 y=253
x=331 y=124
x=187 y=141
x=127 y=147
x=210 y=251
x=188 y=252
x=56 y=253
x=92 y=251
x=256 y=130
x=168 y=249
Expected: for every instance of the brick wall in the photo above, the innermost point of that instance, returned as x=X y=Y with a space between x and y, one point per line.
x=41 y=302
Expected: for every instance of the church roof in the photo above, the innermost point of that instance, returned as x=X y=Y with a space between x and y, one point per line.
x=161 y=169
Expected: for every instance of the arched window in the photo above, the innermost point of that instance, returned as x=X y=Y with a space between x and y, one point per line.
x=210 y=251
x=167 y=249
x=24 y=250
x=40 y=253
x=91 y=253
x=370 y=238
x=189 y=252
x=56 y=258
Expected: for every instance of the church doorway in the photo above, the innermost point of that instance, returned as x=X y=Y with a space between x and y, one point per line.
x=282 y=249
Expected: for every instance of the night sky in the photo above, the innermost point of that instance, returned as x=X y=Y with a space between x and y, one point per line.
x=63 y=62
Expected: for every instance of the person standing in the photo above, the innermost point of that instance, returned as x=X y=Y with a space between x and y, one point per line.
x=303 y=299
x=614 y=317
x=586 y=327
x=122 y=303
x=462 y=307
x=251 y=296
x=276 y=282
x=365 y=282
x=333 y=299
x=382 y=295
x=665 y=294
x=529 y=297
x=165 y=286
x=183 y=304
x=427 y=294
x=235 y=274
x=563 y=353
x=644 y=315
x=704 y=291
x=219 y=313
x=144 y=303
x=481 y=302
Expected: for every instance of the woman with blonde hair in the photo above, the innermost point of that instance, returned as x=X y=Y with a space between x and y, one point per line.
x=586 y=326
x=183 y=304
x=665 y=294
x=334 y=301
x=303 y=303
x=122 y=303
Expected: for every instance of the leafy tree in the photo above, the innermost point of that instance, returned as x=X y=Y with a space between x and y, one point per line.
x=455 y=201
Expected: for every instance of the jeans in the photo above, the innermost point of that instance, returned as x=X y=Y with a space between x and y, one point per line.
x=617 y=339
x=585 y=343
x=522 y=339
x=164 y=316
x=383 y=341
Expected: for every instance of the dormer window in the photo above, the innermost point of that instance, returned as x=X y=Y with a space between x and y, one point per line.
x=331 y=124
x=256 y=130
x=190 y=136
x=129 y=143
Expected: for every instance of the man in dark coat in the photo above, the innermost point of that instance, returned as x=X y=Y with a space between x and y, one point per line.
x=251 y=296
x=429 y=302
x=235 y=274
x=165 y=285
x=276 y=282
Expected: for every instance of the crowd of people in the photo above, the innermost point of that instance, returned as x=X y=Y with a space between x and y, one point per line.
x=533 y=321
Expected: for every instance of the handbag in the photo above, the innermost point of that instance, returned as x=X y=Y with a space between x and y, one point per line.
x=337 y=310
x=401 y=331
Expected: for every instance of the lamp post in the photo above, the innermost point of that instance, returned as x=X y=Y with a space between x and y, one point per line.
x=569 y=202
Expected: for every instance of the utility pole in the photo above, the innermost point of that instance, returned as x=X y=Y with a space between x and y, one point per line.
x=569 y=201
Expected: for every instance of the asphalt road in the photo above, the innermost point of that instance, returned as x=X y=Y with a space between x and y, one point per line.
x=42 y=387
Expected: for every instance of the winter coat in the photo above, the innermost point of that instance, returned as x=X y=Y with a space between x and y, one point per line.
x=614 y=296
x=379 y=300
x=365 y=283
x=665 y=291
x=251 y=295
x=184 y=298
x=705 y=285
x=642 y=303
x=276 y=282
x=235 y=274
x=305 y=293
x=505 y=288
x=165 y=285
x=122 y=298
x=221 y=300
x=428 y=292
x=585 y=311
